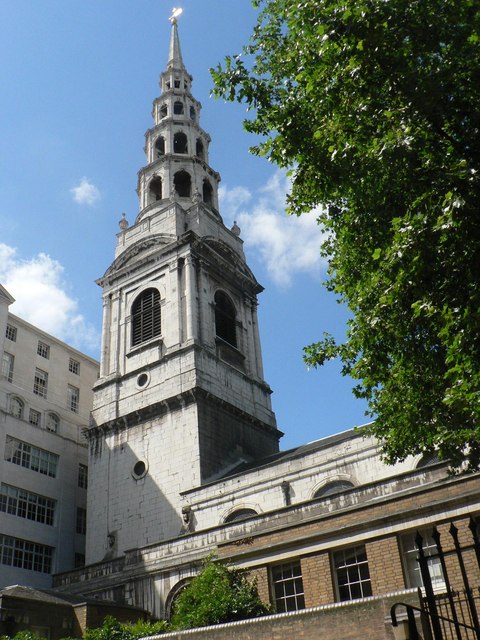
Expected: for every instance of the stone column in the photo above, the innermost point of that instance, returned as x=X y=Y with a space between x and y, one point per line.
x=191 y=299
x=114 y=327
x=174 y=298
x=256 y=337
x=249 y=346
x=106 y=334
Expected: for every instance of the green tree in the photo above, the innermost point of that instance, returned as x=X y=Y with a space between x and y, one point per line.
x=374 y=108
x=218 y=594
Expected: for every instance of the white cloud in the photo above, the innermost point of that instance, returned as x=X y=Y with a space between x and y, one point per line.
x=85 y=192
x=41 y=297
x=286 y=244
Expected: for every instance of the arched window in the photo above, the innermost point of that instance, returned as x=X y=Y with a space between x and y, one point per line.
x=331 y=488
x=199 y=150
x=163 y=111
x=240 y=514
x=428 y=459
x=183 y=184
x=146 y=317
x=207 y=192
x=178 y=108
x=180 y=143
x=52 y=422
x=225 y=318
x=193 y=115
x=155 y=189
x=160 y=146
x=173 y=596
x=16 y=407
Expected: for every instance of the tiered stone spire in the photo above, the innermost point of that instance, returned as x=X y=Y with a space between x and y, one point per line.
x=181 y=396
x=176 y=146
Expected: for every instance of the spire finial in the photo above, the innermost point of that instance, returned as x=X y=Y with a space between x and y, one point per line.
x=175 y=54
x=176 y=11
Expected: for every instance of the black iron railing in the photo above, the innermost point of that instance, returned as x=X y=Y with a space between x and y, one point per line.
x=452 y=615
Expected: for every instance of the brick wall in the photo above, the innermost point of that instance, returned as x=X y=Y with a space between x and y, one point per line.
x=317 y=580
x=260 y=575
x=385 y=565
x=96 y=614
x=356 y=620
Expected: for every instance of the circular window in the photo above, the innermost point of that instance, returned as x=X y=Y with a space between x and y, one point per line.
x=139 y=469
x=142 y=380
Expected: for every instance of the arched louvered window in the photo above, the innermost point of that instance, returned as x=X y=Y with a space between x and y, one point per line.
x=428 y=459
x=225 y=318
x=146 y=317
x=331 y=488
x=240 y=514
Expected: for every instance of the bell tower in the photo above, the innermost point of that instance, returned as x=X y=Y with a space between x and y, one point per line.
x=181 y=399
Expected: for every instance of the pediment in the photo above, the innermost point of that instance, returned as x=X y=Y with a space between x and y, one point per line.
x=229 y=255
x=140 y=249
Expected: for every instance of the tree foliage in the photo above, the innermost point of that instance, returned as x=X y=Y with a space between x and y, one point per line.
x=374 y=106
x=218 y=594
x=23 y=635
x=112 y=629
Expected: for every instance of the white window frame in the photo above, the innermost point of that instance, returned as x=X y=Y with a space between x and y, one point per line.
x=40 y=383
x=409 y=553
x=74 y=366
x=52 y=422
x=26 y=504
x=30 y=457
x=352 y=574
x=25 y=554
x=285 y=578
x=11 y=333
x=8 y=362
x=82 y=476
x=35 y=417
x=73 y=398
x=43 y=350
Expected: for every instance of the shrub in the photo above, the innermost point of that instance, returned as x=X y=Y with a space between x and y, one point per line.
x=218 y=594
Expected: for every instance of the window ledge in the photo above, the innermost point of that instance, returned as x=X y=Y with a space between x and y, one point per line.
x=138 y=348
x=229 y=353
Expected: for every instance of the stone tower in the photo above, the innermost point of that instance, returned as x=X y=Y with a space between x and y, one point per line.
x=181 y=398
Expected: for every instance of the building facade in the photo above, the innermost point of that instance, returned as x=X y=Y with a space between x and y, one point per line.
x=45 y=403
x=184 y=457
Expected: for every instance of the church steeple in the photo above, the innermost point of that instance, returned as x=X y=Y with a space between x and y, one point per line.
x=181 y=398
x=176 y=146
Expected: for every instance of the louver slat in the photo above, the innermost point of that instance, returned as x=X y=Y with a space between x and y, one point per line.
x=146 y=317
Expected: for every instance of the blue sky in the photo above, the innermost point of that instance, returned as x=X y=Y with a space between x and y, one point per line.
x=78 y=79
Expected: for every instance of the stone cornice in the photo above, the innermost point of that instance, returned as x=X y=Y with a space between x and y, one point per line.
x=173 y=403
